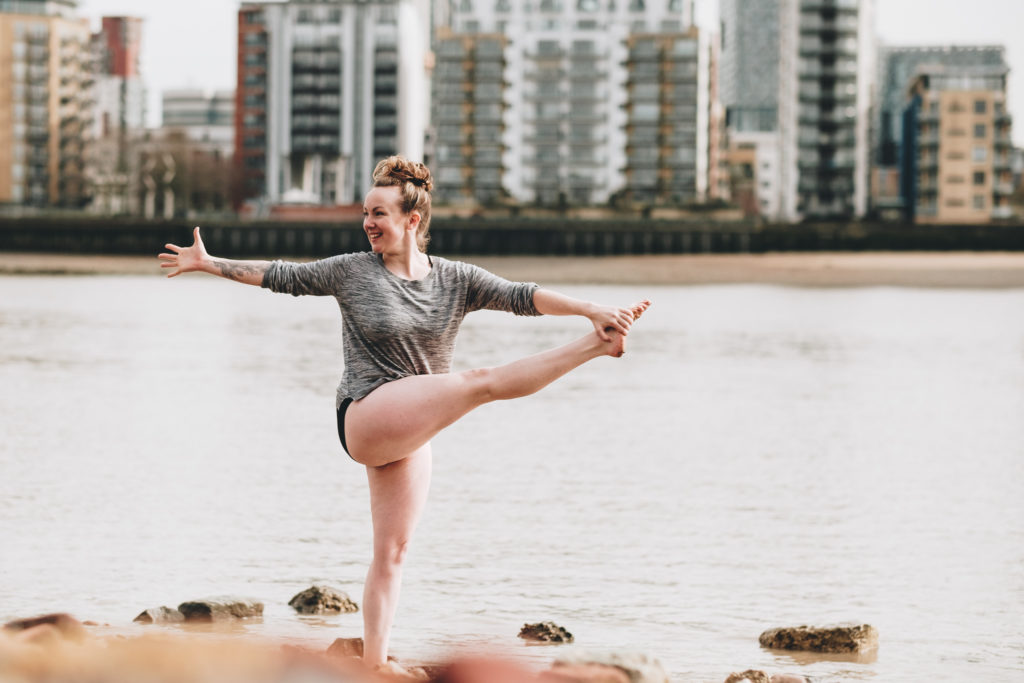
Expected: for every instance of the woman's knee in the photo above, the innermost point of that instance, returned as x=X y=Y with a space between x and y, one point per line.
x=390 y=555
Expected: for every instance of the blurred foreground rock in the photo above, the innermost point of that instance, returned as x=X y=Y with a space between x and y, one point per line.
x=346 y=647
x=64 y=624
x=323 y=600
x=160 y=615
x=636 y=667
x=545 y=632
x=834 y=639
x=757 y=676
x=221 y=609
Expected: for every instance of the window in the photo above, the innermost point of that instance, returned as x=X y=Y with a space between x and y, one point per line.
x=979 y=201
x=979 y=177
x=979 y=154
x=955 y=179
x=980 y=106
x=979 y=130
x=954 y=202
x=587 y=5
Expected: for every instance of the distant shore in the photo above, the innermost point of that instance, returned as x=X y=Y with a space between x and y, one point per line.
x=816 y=269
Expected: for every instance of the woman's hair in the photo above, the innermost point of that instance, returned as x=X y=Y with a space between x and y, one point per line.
x=414 y=182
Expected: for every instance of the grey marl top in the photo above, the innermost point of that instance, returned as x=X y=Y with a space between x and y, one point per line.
x=394 y=328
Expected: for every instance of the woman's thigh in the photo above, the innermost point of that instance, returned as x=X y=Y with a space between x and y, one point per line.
x=399 y=417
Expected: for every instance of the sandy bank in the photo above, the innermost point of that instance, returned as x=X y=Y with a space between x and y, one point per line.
x=820 y=269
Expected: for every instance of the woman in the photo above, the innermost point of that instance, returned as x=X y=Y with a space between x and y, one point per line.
x=401 y=310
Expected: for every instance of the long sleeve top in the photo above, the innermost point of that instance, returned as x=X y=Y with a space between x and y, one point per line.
x=391 y=327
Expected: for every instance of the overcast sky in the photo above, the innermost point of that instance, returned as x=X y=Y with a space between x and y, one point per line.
x=191 y=43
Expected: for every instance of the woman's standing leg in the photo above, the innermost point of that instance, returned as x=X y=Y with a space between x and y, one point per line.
x=398 y=492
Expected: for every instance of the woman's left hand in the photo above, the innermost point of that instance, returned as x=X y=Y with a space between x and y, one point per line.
x=611 y=318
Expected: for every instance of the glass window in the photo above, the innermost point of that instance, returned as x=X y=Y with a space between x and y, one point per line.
x=979 y=154
x=979 y=177
x=979 y=130
x=980 y=106
x=979 y=201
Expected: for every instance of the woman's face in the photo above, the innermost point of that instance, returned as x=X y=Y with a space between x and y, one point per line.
x=384 y=222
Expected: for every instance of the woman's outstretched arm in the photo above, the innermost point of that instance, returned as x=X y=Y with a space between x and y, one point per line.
x=195 y=258
x=603 y=318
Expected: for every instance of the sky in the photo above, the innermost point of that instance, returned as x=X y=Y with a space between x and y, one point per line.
x=191 y=43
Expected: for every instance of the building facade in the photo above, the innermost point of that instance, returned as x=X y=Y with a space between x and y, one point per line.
x=45 y=104
x=206 y=119
x=956 y=146
x=826 y=83
x=555 y=102
x=749 y=71
x=326 y=89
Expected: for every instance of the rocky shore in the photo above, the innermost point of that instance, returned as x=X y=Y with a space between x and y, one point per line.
x=57 y=648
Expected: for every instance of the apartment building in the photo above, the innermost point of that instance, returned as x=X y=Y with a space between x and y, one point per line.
x=897 y=66
x=826 y=60
x=956 y=145
x=555 y=102
x=326 y=89
x=120 y=114
x=45 y=104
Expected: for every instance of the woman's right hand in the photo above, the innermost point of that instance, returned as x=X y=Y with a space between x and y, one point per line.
x=185 y=259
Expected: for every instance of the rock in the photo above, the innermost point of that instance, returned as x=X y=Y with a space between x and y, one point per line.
x=789 y=678
x=160 y=615
x=346 y=647
x=221 y=609
x=322 y=600
x=64 y=624
x=637 y=666
x=545 y=632
x=752 y=675
x=834 y=639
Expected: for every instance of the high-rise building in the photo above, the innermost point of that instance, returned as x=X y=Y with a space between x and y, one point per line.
x=45 y=103
x=803 y=69
x=326 y=89
x=956 y=150
x=827 y=72
x=563 y=102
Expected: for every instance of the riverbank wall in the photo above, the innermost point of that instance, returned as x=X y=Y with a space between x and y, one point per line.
x=504 y=236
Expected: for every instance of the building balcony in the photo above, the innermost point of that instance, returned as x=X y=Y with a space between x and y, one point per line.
x=1003 y=142
x=1004 y=118
x=843 y=6
x=1003 y=189
x=1002 y=212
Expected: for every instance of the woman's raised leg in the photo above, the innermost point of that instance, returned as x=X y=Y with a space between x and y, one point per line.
x=401 y=416
x=398 y=492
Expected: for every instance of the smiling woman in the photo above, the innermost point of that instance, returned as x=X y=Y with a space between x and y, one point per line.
x=401 y=311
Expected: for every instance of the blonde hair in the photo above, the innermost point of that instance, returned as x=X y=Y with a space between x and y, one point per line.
x=414 y=182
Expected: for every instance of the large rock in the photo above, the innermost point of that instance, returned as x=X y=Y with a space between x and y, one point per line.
x=160 y=615
x=637 y=666
x=323 y=600
x=59 y=623
x=545 y=632
x=834 y=639
x=346 y=647
x=221 y=609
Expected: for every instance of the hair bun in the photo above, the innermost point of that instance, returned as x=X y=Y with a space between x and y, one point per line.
x=398 y=169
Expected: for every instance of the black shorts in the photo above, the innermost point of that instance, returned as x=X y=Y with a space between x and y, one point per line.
x=342 y=409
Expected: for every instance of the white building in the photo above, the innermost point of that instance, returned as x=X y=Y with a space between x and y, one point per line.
x=556 y=102
x=325 y=90
x=207 y=119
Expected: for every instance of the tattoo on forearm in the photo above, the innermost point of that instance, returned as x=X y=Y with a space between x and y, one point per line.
x=237 y=270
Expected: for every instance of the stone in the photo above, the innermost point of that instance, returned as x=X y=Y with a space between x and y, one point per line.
x=323 y=600
x=834 y=639
x=545 y=632
x=221 y=609
x=789 y=678
x=64 y=624
x=752 y=675
x=346 y=647
x=160 y=615
x=637 y=666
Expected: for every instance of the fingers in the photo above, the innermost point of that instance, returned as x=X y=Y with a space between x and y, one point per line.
x=195 y=235
x=173 y=247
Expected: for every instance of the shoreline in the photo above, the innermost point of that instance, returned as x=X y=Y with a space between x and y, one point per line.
x=985 y=270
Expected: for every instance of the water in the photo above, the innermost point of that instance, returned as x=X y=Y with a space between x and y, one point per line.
x=762 y=456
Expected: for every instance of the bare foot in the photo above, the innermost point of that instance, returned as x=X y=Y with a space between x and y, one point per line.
x=617 y=346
